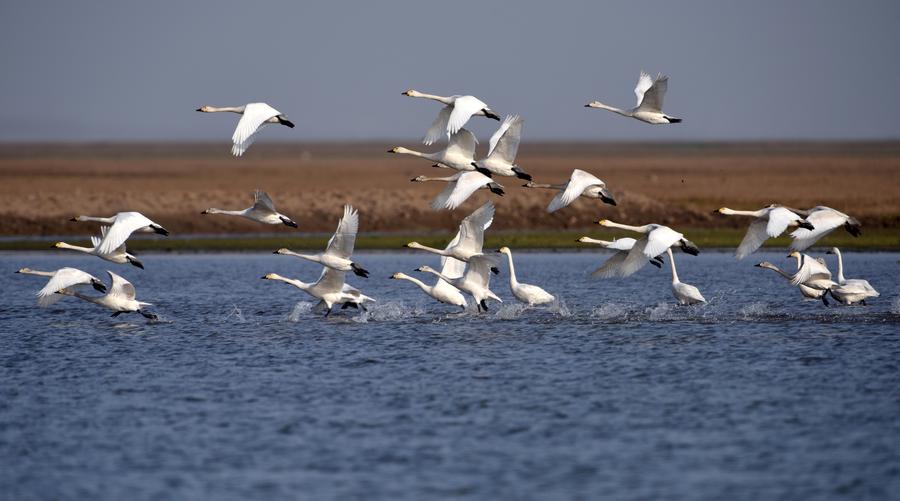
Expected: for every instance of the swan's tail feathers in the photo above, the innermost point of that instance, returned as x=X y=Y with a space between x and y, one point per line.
x=490 y=114
x=482 y=170
x=673 y=120
x=657 y=261
x=606 y=197
x=135 y=262
x=496 y=189
x=803 y=223
x=495 y=270
x=853 y=227
x=689 y=247
x=160 y=230
x=284 y=121
x=98 y=285
x=521 y=174
x=359 y=271
x=288 y=222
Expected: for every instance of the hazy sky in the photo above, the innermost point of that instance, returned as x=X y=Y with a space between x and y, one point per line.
x=121 y=70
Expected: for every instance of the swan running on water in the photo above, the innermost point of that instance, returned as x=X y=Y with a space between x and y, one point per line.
x=330 y=289
x=650 y=94
x=254 y=116
x=453 y=116
x=685 y=294
x=120 y=298
x=340 y=247
x=657 y=238
x=263 y=211
x=476 y=280
x=610 y=267
x=807 y=292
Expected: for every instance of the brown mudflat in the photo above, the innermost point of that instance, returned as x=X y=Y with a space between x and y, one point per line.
x=43 y=185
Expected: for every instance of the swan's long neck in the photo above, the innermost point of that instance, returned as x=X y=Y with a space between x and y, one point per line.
x=672 y=263
x=598 y=104
x=308 y=257
x=440 y=275
x=404 y=151
x=512 y=270
x=776 y=269
x=543 y=185
x=589 y=240
x=104 y=220
x=296 y=283
x=416 y=245
x=63 y=245
x=728 y=212
x=422 y=285
x=27 y=271
x=440 y=99
x=92 y=299
x=638 y=229
x=840 y=266
x=227 y=212
x=426 y=178
x=232 y=109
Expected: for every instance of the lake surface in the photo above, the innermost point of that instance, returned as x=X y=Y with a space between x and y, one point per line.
x=241 y=391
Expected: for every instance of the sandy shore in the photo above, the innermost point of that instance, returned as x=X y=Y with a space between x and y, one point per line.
x=43 y=185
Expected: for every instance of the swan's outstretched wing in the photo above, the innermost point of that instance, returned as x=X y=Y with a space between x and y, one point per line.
x=262 y=202
x=63 y=278
x=126 y=223
x=438 y=128
x=660 y=239
x=238 y=149
x=120 y=287
x=505 y=142
x=472 y=228
x=611 y=266
x=824 y=221
x=479 y=269
x=753 y=239
x=462 y=143
x=779 y=220
x=653 y=96
x=330 y=280
x=634 y=260
x=255 y=115
x=463 y=109
x=578 y=182
x=645 y=81
x=467 y=183
x=344 y=238
x=441 y=201
x=450 y=267
x=809 y=269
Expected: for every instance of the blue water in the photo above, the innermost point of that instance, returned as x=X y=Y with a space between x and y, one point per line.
x=240 y=391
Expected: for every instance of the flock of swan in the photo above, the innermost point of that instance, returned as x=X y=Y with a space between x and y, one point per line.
x=465 y=267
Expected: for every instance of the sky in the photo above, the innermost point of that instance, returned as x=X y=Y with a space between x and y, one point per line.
x=128 y=70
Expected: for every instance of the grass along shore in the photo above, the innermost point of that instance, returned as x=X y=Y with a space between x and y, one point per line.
x=873 y=239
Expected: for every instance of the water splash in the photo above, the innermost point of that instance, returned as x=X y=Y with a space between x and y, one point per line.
x=300 y=309
x=753 y=310
x=610 y=311
x=510 y=311
x=560 y=307
x=392 y=310
x=895 y=306
x=236 y=314
x=662 y=311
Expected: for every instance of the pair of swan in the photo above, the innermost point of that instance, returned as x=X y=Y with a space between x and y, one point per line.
x=254 y=116
x=454 y=115
x=330 y=289
x=476 y=279
x=853 y=290
x=807 y=292
x=769 y=222
x=532 y=295
x=122 y=225
x=63 y=278
x=621 y=246
x=824 y=220
x=650 y=93
x=117 y=254
x=262 y=211
x=580 y=184
x=340 y=246
x=460 y=187
x=656 y=240
x=459 y=153
x=442 y=291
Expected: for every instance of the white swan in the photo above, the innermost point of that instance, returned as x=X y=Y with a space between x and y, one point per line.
x=118 y=255
x=531 y=295
x=811 y=273
x=686 y=294
x=263 y=211
x=470 y=238
x=850 y=291
x=120 y=298
x=459 y=153
x=824 y=220
x=129 y=219
x=460 y=187
x=330 y=289
x=476 y=280
x=254 y=116
x=650 y=94
x=453 y=116
x=622 y=245
x=63 y=278
x=580 y=184
x=770 y=222
x=657 y=238
x=807 y=292
x=504 y=146
x=340 y=247
x=440 y=291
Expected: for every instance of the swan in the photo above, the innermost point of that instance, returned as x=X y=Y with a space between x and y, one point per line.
x=118 y=255
x=813 y=274
x=580 y=184
x=849 y=291
x=650 y=94
x=330 y=289
x=686 y=294
x=657 y=238
x=440 y=291
x=460 y=187
x=531 y=295
x=120 y=298
x=769 y=222
x=263 y=211
x=504 y=145
x=824 y=220
x=476 y=280
x=453 y=116
x=340 y=247
x=254 y=116
x=131 y=218
x=807 y=292
x=621 y=246
x=63 y=278
x=470 y=238
x=459 y=153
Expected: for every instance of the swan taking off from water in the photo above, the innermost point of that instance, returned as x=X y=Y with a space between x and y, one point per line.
x=254 y=116
x=459 y=153
x=650 y=94
x=531 y=295
x=453 y=116
x=812 y=273
x=441 y=290
x=123 y=225
x=120 y=298
x=330 y=289
x=340 y=247
x=824 y=220
x=263 y=211
x=807 y=292
x=685 y=294
x=657 y=238
x=460 y=187
x=118 y=255
x=476 y=280
x=770 y=222
x=850 y=291
x=580 y=184
x=470 y=238
x=622 y=245
x=63 y=278
x=504 y=146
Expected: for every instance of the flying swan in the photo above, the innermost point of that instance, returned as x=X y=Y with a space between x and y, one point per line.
x=504 y=146
x=657 y=238
x=476 y=280
x=254 y=116
x=769 y=222
x=340 y=247
x=824 y=221
x=120 y=298
x=263 y=211
x=123 y=225
x=580 y=184
x=63 y=278
x=330 y=289
x=459 y=153
x=470 y=238
x=118 y=255
x=650 y=94
x=460 y=187
x=621 y=246
x=453 y=116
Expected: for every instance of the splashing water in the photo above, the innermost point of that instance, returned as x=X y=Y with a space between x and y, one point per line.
x=510 y=311
x=753 y=310
x=661 y=311
x=300 y=309
x=393 y=310
x=236 y=313
x=895 y=306
x=560 y=307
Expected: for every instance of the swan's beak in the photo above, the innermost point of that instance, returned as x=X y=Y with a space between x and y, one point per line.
x=392 y=150
x=199 y=109
x=74 y=219
x=601 y=222
x=758 y=265
x=264 y=277
x=205 y=212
